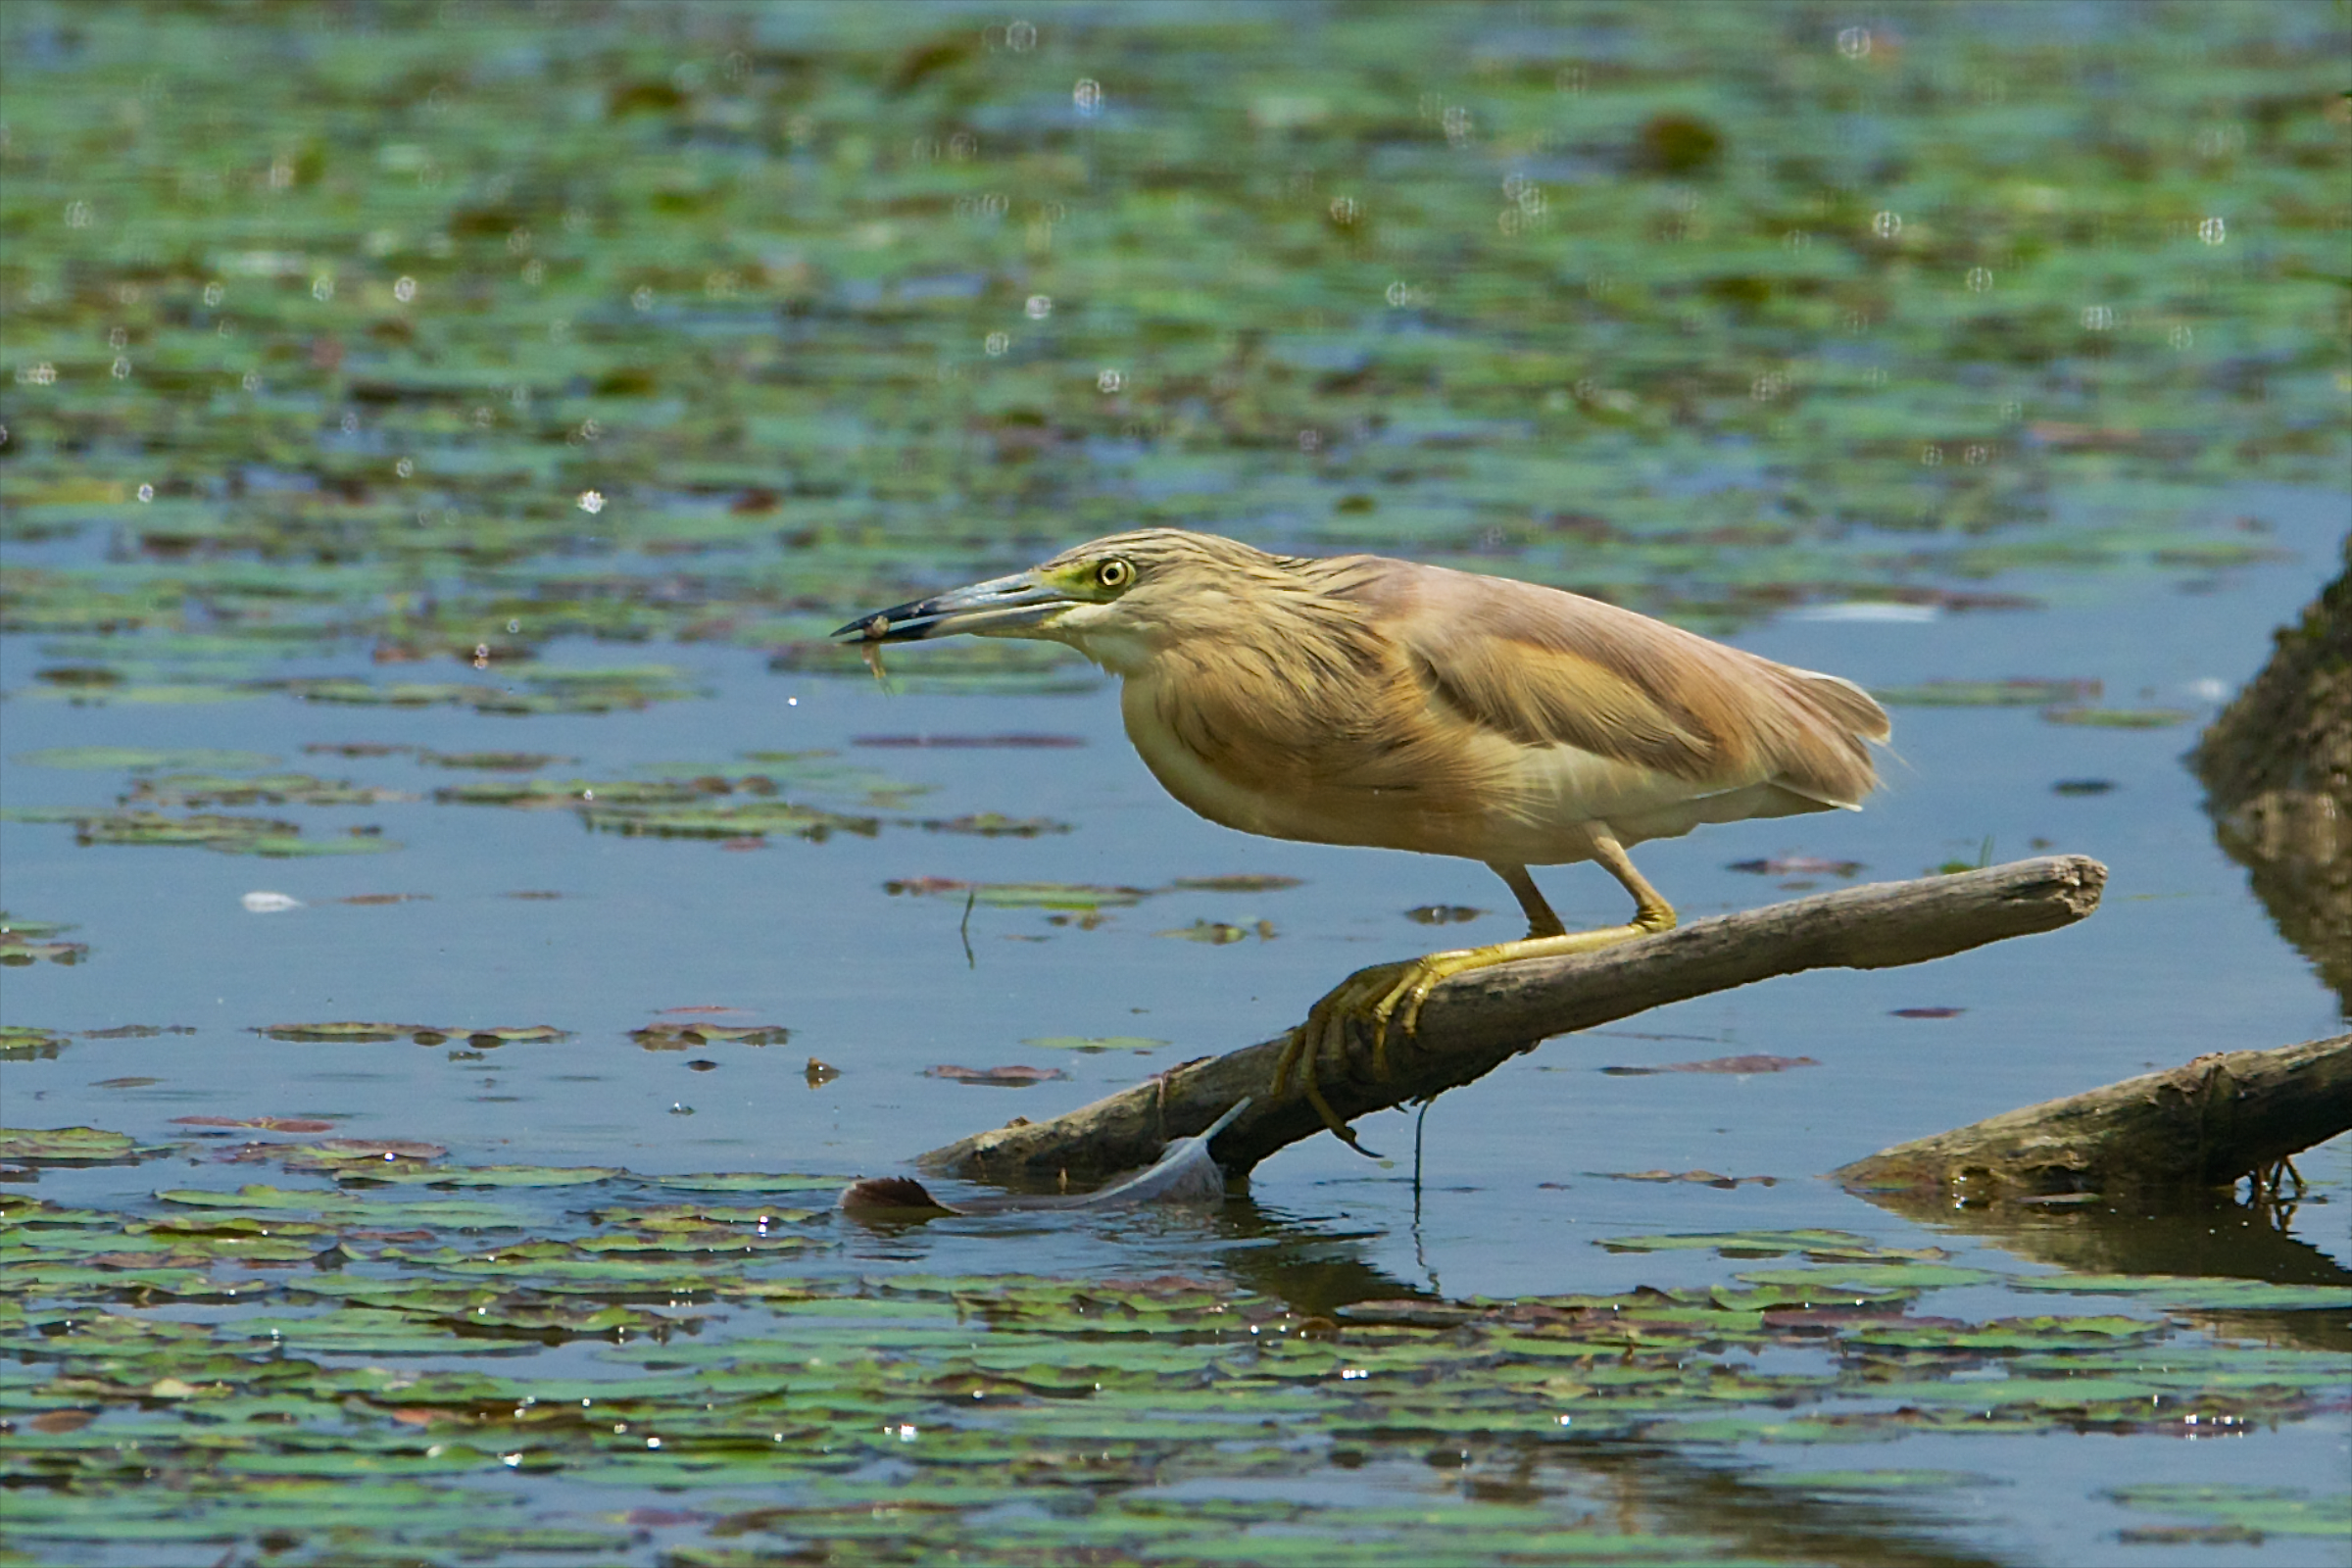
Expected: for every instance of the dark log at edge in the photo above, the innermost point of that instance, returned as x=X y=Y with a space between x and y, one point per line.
x=1477 y=1021
x=2200 y=1125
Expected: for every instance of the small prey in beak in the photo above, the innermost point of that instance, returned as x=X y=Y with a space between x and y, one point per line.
x=1001 y=607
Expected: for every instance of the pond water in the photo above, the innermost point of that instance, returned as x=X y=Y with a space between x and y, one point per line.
x=429 y=472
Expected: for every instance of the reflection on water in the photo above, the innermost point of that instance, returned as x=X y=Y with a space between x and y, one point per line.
x=2277 y=769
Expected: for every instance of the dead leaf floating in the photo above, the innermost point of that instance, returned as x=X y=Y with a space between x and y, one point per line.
x=1738 y=1066
x=1013 y=1076
x=268 y=1124
x=1796 y=865
x=1696 y=1177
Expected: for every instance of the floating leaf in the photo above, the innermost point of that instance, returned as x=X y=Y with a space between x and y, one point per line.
x=1073 y=896
x=1696 y=1177
x=1737 y=1066
x=1216 y=933
x=1797 y=865
x=64 y=1146
x=1024 y=742
x=24 y=1043
x=2016 y=692
x=1237 y=882
x=139 y=758
x=495 y=762
x=994 y=825
x=180 y=790
x=2117 y=717
x=230 y=835
x=354 y=1033
x=274 y=1124
x=19 y=947
x=686 y=1036
x=1009 y=1077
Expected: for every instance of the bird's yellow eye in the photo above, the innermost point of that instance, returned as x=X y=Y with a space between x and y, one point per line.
x=1114 y=574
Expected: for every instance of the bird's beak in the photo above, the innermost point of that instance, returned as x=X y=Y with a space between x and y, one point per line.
x=1001 y=607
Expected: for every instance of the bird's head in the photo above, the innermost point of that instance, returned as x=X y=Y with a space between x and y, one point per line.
x=1118 y=600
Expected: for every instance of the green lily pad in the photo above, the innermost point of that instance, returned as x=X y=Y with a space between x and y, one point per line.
x=24 y=1043
x=2019 y=692
x=687 y=1036
x=2189 y=1293
x=230 y=835
x=64 y=1146
x=1072 y=896
x=138 y=758
x=2118 y=718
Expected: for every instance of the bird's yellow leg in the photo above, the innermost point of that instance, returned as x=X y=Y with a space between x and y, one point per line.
x=1388 y=994
x=1544 y=939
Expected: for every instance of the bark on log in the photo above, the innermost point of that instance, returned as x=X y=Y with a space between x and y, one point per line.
x=1477 y=1021
x=2201 y=1125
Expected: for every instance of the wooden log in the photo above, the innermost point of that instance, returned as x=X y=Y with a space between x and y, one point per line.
x=2201 y=1125
x=1475 y=1022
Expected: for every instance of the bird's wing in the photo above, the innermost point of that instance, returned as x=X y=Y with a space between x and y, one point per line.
x=1543 y=668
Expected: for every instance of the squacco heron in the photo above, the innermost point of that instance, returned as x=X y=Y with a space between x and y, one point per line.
x=1360 y=700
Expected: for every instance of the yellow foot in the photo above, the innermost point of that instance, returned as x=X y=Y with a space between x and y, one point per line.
x=1389 y=995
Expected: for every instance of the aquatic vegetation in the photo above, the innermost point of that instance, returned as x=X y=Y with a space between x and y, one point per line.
x=386 y=1325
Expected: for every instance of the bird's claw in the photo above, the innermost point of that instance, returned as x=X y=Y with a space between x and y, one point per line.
x=1383 y=997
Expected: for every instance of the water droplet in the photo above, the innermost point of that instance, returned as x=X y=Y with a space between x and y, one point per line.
x=996 y=343
x=120 y=369
x=404 y=468
x=146 y=492
x=1020 y=36
x=2097 y=318
x=1887 y=224
x=214 y=294
x=2213 y=232
x=403 y=289
x=1109 y=380
x=1038 y=307
x=1854 y=43
x=643 y=298
x=1979 y=279
x=1087 y=95
x=592 y=502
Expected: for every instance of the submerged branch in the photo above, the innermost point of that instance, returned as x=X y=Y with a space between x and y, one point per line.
x=1475 y=1022
x=2202 y=1125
